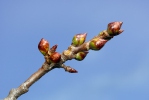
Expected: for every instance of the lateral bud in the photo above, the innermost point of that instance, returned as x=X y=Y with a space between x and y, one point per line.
x=53 y=49
x=79 y=39
x=97 y=43
x=81 y=55
x=70 y=70
x=55 y=57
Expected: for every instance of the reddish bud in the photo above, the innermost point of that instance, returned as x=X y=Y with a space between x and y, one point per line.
x=55 y=57
x=79 y=39
x=43 y=46
x=53 y=49
x=114 y=28
x=71 y=70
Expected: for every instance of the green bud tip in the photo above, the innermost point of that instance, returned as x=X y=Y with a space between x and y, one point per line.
x=81 y=55
x=97 y=43
x=43 y=46
x=79 y=39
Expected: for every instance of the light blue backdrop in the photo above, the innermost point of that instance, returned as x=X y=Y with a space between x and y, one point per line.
x=119 y=71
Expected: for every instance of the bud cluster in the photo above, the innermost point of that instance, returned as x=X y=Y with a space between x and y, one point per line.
x=78 y=49
x=78 y=40
x=52 y=56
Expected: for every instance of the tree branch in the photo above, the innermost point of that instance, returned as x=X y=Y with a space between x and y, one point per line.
x=77 y=50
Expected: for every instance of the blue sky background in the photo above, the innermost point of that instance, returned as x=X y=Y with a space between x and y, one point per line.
x=119 y=71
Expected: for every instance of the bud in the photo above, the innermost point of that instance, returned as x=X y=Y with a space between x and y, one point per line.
x=55 y=57
x=114 y=28
x=70 y=70
x=79 y=39
x=81 y=55
x=53 y=49
x=97 y=43
x=43 y=46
